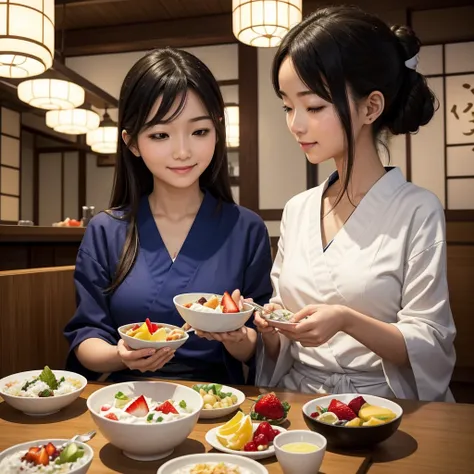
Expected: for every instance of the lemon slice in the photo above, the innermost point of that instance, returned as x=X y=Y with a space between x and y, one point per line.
x=241 y=434
x=328 y=417
x=143 y=335
x=142 y=328
x=230 y=426
x=159 y=335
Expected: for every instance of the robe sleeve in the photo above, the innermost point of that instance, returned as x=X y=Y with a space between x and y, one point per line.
x=425 y=319
x=92 y=318
x=269 y=372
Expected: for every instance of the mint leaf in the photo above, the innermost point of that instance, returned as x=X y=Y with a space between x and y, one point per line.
x=182 y=404
x=149 y=418
x=46 y=393
x=48 y=378
x=159 y=419
x=29 y=384
x=121 y=396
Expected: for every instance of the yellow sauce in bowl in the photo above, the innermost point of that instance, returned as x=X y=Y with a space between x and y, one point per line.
x=300 y=448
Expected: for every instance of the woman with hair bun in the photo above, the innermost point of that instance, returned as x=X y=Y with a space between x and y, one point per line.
x=362 y=257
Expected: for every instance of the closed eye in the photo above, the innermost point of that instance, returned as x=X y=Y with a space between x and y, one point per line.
x=201 y=132
x=314 y=110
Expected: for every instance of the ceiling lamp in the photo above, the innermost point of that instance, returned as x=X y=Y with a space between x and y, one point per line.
x=105 y=138
x=26 y=37
x=264 y=23
x=232 y=126
x=51 y=94
x=72 y=122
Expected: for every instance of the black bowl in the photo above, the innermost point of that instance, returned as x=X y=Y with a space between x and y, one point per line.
x=342 y=437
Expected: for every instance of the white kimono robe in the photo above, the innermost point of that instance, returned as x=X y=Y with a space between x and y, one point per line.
x=387 y=262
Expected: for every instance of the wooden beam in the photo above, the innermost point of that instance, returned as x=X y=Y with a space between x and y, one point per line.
x=186 y=32
x=60 y=3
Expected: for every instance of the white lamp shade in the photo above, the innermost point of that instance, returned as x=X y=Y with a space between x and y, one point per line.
x=51 y=94
x=232 y=128
x=264 y=23
x=103 y=140
x=72 y=122
x=26 y=37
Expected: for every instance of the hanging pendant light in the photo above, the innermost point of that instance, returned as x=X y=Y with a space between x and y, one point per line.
x=51 y=94
x=105 y=138
x=264 y=23
x=26 y=37
x=232 y=128
x=72 y=122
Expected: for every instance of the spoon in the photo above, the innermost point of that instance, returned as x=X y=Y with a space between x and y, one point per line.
x=84 y=438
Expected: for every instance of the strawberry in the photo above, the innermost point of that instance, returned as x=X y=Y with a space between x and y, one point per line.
x=166 y=407
x=269 y=407
x=152 y=327
x=138 y=407
x=341 y=410
x=135 y=327
x=250 y=446
x=266 y=429
x=31 y=455
x=43 y=457
x=261 y=441
x=105 y=407
x=356 y=404
x=228 y=304
x=111 y=416
x=50 y=449
x=315 y=414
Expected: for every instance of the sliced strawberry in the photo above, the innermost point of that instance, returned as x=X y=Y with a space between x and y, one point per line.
x=341 y=410
x=43 y=457
x=31 y=455
x=105 y=407
x=266 y=429
x=138 y=407
x=315 y=414
x=166 y=407
x=228 y=304
x=356 y=404
x=135 y=327
x=50 y=449
x=111 y=416
x=250 y=446
x=150 y=326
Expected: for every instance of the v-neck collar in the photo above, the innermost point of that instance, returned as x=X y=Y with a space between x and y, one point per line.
x=362 y=217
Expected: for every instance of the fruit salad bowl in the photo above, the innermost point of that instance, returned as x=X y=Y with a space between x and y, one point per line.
x=220 y=316
x=146 y=420
x=352 y=420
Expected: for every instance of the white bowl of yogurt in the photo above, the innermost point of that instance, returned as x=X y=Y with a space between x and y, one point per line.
x=25 y=392
x=233 y=463
x=146 y=420
x=208 y=319
x=11 y=459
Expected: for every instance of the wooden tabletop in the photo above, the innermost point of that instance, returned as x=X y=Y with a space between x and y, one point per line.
x=433 y=438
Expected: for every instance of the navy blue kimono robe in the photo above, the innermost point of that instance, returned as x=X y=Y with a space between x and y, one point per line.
x=227 y=248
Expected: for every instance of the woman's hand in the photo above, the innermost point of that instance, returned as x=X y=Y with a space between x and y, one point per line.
x=262 y=324
x=316 y=324
x=144 y=360
x=231 y=337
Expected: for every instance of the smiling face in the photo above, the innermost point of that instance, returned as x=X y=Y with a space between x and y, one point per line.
x=313 y=121
x=178 y=152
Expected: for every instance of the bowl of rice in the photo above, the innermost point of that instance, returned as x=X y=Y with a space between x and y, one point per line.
x=41 y=392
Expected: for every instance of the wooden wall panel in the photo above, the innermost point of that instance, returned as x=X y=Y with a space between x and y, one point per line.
x=34 y=308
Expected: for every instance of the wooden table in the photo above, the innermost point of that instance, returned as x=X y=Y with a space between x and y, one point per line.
x=433 y=437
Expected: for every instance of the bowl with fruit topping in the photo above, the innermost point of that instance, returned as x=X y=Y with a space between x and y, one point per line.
x=146 y=420
x=240 y=435
x=47 y=456
x=219 y=400
x=353 y=420
x=212 y=313
x=152 y=335
x=212 y=463
x=41 y=392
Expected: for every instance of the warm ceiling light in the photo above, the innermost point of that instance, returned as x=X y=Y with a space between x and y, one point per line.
x=232 y=130
x=72 y=122
x=263 y=23
x=26 y=37
x=105 y=138
x=51 y=94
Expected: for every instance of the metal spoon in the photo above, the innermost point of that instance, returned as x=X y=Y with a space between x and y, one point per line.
x=84 y=438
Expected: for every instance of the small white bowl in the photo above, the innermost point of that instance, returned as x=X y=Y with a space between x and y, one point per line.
x=211 y=438
x=146 y=442
x=41 y=406
x=279 y=324
x=300 y=463
x=23 y=447
x=208 y=414
x=135 y=343
x=210 y=322
x=251 y=466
